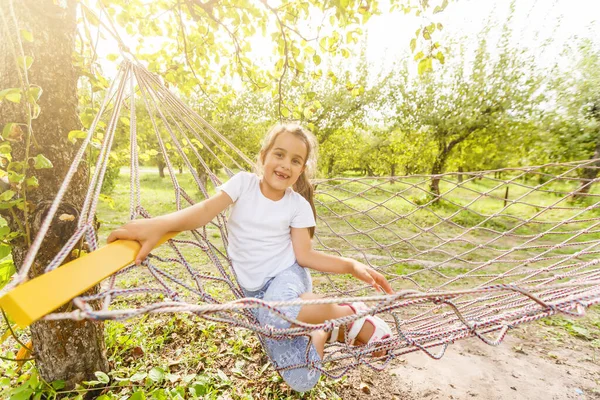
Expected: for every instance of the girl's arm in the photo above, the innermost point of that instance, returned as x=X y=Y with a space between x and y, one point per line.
x=149 y=231
x=307 y=257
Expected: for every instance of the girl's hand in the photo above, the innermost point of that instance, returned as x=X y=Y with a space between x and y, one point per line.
x=146 y=231
x=372 y=277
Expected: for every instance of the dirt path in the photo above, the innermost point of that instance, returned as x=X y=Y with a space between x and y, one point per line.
x=524 y=366
x=514 y=370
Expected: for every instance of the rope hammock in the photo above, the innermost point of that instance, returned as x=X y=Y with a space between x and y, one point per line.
x=475 y=260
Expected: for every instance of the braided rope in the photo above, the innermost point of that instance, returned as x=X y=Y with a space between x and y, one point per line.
x=469 y=262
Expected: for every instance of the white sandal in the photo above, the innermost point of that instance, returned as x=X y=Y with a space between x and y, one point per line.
x=381 y=330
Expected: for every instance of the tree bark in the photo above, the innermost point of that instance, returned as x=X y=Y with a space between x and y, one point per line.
x=202 y=174
x=460 y=175
x=589 y=174
x=66 y=350
x=330 y=163
x=436 y=169
x=161 y=165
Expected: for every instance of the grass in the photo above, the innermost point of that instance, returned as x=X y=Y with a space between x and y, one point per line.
x=417 y=244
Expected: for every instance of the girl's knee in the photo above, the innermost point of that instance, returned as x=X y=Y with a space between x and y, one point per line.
x=310 y=296
x=301 y=379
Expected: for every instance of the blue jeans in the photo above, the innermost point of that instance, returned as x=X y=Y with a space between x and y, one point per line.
x=288 y=285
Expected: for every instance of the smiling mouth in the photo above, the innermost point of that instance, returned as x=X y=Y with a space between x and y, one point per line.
x=282 y=176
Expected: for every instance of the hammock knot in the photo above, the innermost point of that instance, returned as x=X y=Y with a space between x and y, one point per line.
x=329 y=325
x=438 y=300
x=473 y=327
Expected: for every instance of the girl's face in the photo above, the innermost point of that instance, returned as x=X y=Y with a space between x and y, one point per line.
x=283 y=164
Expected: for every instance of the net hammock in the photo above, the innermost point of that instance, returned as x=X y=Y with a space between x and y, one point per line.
x=493 y=250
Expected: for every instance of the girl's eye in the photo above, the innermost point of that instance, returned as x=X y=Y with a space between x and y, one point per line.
x=278 y=155
x=296 y=161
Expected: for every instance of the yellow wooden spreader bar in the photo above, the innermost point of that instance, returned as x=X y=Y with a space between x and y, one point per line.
x=33 y=299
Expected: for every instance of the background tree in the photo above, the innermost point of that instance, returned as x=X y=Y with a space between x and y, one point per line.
x=489 y=98
x=572 y=126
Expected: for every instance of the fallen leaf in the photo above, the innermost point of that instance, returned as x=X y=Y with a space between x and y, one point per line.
x=365 y=388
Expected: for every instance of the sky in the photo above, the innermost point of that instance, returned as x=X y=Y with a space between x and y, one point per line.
x=534 y=21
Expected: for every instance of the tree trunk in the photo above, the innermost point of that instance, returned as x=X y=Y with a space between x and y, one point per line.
x=460 y=175
x=67 y=350
x=202 y=174
x=393 y=169
x=589 y=174
x=436 y=169
x=330 y=164
x=161 y=166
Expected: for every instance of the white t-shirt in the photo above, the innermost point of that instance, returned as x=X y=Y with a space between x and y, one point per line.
x=260 y=243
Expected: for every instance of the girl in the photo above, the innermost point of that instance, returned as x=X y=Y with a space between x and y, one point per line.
x=270 y=230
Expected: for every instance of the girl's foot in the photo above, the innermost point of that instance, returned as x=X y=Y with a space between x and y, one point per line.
x=375 y=330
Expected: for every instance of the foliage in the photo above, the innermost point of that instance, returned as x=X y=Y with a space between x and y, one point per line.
x=484 y=107
x=18 y=169
x=571 y=127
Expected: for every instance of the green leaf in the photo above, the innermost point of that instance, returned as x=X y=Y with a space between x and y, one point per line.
x=317 y=59
x=74 y=135
x=12 y=94
x=4 y=250
x=26 y=35
x=42 y=162
x=173 y=377
x=5 y=149
x=32 y=182
x=102 y=377
x=33 y=380
x=426 y=34
x=425 y=65
x=112 y=57
x=222 y=375
x=413 y=45
x=139 y=395
x=138 y=376
x=15 y=177
x=36 y=111
x=23 y=394
x=285 y=112
x=440 y=57
x=156 y=374
x=7 y=195
x=35 y=91
x=4 y=230
x=60 y=384
x=419 y=55
x=25 y=61
x=7 y=128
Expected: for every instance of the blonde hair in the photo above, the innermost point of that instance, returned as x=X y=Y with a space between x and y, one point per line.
x=302 y=185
